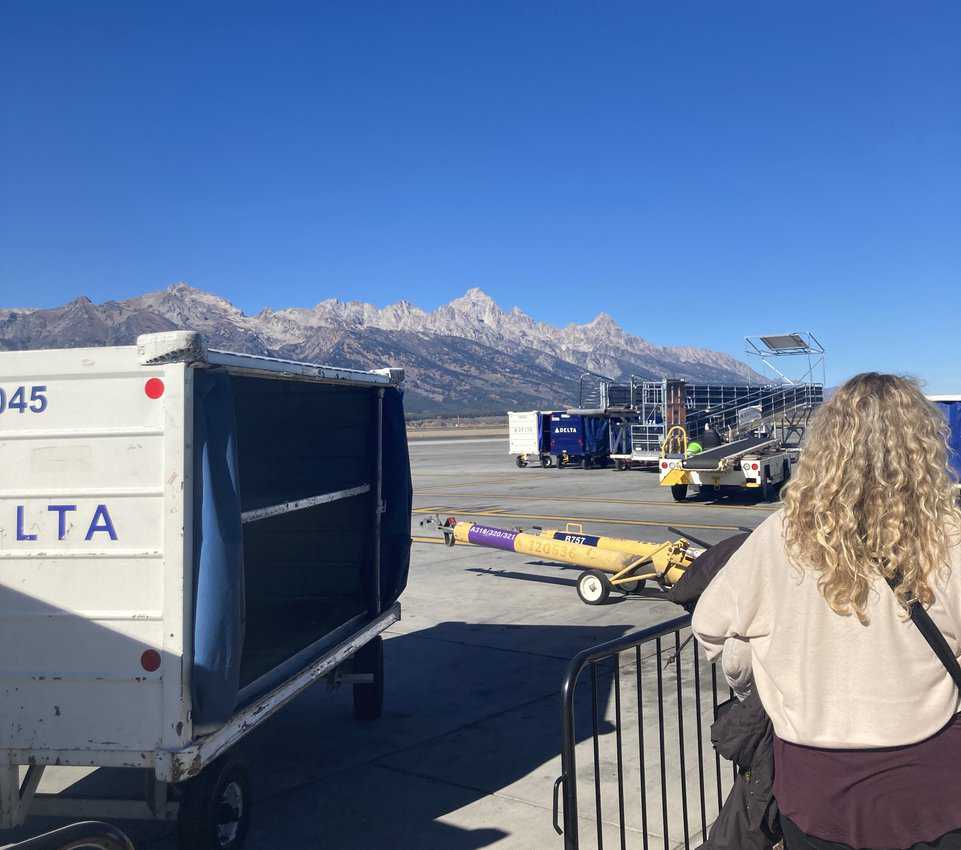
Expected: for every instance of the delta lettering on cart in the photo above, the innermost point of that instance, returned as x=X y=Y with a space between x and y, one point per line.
x=100 y=523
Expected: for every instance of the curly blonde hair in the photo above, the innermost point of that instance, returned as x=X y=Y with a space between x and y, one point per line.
x=872 y=493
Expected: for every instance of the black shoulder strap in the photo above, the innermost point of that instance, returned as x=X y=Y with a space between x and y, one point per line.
x=932 y=634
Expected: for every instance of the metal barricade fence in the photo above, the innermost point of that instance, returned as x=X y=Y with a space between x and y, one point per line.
x=86 y=835
x=649 y=769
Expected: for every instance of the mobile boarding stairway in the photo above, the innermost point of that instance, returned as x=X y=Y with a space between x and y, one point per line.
x=763 y=430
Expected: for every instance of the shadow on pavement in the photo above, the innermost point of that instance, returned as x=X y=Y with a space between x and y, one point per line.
x=463 y=758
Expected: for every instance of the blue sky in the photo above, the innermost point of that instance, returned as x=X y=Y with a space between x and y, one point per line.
x=701 y=171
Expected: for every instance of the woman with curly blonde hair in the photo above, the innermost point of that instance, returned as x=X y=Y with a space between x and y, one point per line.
x=814 y=606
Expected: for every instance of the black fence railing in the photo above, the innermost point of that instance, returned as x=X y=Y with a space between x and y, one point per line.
x=94 y=835
x=641 y=734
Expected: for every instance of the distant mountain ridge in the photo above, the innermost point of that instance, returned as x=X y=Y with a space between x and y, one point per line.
x=467 y=357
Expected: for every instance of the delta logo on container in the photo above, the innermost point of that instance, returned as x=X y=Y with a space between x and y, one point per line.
x=28 y=522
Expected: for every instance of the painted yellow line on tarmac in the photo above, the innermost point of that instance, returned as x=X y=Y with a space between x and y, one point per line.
x=534 y=497
x=586 y=519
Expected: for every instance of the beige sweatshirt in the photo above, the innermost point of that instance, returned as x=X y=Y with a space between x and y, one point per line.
x=826 y=680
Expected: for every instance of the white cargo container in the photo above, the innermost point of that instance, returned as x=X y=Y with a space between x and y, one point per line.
x=104 y=590
x=526 y=437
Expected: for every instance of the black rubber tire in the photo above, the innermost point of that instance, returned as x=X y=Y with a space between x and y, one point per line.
x=679 y=492
x=634 y=587
x=206 y=819
x=558 y=463
x=369 y=699
x=546 y=462
x=592 y=597
x=768 y=491
x=521 y=463
x=585 y=463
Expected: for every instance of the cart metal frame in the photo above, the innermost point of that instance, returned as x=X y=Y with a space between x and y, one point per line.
x=168 y=765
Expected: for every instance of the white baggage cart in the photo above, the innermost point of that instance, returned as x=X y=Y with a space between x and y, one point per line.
x=529 y=437
x=188 y=540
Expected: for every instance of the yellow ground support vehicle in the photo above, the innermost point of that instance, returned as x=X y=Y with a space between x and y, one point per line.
x=609 y=562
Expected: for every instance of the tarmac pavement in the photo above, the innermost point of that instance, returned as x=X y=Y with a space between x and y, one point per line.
x=466 y=753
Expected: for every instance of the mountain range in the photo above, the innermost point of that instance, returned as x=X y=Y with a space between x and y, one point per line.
x=468 y=357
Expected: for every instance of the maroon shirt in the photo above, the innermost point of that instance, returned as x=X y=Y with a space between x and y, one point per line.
x=890 y=797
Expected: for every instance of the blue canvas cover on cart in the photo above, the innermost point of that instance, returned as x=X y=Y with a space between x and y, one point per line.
x=267 y=590
x=218 y=567
x=544 y=432
x=952 y=410
x=398 y=497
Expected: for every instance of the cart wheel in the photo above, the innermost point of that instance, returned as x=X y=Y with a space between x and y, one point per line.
x=679 y=492
x=546 y=461
x=215 y=808
x=369 y=699
x=585 y=463
x=593 y=587
x=558 y=463
x=632 y=586
x=519 y=460
x=767 y=491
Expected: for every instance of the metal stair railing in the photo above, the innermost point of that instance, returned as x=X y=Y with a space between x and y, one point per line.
x=773 y=401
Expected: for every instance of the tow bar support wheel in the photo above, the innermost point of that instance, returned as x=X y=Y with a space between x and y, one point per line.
x=546 y=461
x=679 y=492
x=593 y=587
x=521 y=461
x=215 y=807
x=369 y=698
x=632 y=586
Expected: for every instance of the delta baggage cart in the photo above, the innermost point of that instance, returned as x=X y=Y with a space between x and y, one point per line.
x=188 y=540
x=529 y=437
x=580 y=440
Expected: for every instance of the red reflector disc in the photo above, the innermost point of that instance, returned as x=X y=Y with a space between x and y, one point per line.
x=754 y=466
x=664 y=464
x=154 y=388
x=150 y=660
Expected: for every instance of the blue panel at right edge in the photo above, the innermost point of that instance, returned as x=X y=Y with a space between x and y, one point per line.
x=952 y=410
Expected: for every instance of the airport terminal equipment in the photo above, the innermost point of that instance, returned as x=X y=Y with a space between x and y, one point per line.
x=190 y=539
x=529 y=437
x=609 y=563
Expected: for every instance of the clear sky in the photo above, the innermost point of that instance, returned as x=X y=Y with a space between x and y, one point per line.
x=701 y=171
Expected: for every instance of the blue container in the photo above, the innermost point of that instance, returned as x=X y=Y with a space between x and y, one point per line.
x=952 y=411
x=582 y=438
